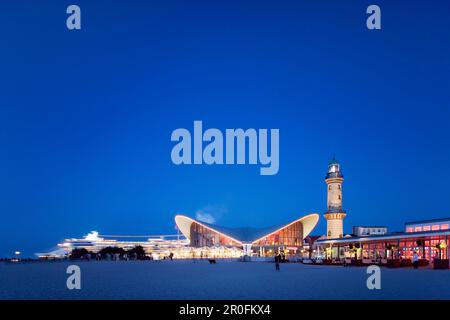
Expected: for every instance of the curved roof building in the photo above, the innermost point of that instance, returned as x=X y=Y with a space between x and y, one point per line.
x=203 y=234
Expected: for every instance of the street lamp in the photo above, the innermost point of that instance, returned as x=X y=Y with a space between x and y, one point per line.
x=17 y=255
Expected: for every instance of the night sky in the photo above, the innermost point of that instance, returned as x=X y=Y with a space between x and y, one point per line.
x=86 y=116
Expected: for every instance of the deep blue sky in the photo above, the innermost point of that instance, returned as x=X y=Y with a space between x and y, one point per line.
x=86 y=116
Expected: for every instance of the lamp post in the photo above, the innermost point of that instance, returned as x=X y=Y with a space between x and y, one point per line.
x=17 y=255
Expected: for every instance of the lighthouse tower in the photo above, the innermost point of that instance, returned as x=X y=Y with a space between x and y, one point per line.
x=335 y=214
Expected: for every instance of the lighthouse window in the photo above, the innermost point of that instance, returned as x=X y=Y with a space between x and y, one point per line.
x=339 y=186
x=339 y=197
x=329 y=187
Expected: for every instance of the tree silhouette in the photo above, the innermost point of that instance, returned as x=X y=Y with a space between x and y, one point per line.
x=137 y=251
x=112 y=251
x=78 y=253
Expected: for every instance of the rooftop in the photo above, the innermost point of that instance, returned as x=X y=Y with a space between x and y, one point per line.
x=427 y=221
x=246 y=234
x=386 y=236
x=369 y=227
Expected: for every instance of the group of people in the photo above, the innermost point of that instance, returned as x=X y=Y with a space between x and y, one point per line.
x=280 y=257
x=415 y=259
x=109 y=256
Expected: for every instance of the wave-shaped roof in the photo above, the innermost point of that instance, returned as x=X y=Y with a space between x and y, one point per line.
x=245 y=234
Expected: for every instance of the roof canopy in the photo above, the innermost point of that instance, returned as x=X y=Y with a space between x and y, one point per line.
x=247 y=234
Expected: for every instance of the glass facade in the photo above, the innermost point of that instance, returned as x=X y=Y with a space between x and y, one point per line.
x=205 y=237
x=289 y=236
x=426 y=247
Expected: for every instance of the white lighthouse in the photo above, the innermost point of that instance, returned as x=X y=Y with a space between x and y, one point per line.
x=335 y=214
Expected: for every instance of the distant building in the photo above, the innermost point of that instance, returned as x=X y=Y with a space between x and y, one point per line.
x=160 y=245
x=369 y=230
x=429 y=238
x=427 y=225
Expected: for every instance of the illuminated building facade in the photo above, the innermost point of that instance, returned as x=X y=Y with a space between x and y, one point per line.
x=427 y=225
x=262 y=241
x=429 y=238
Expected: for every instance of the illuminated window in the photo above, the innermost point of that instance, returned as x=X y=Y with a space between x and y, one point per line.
x=426 y=228
x=289 y=235
x=435 y=227
x=409 y=229
x=418 y=229
x=444 y=226
x=204 y=237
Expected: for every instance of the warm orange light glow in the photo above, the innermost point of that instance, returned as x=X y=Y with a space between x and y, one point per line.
x=212 y=229
x=284 y=227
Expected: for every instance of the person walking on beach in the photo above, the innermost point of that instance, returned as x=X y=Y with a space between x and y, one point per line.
x=436 y=256
x=277 y=262
x=415 y=260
